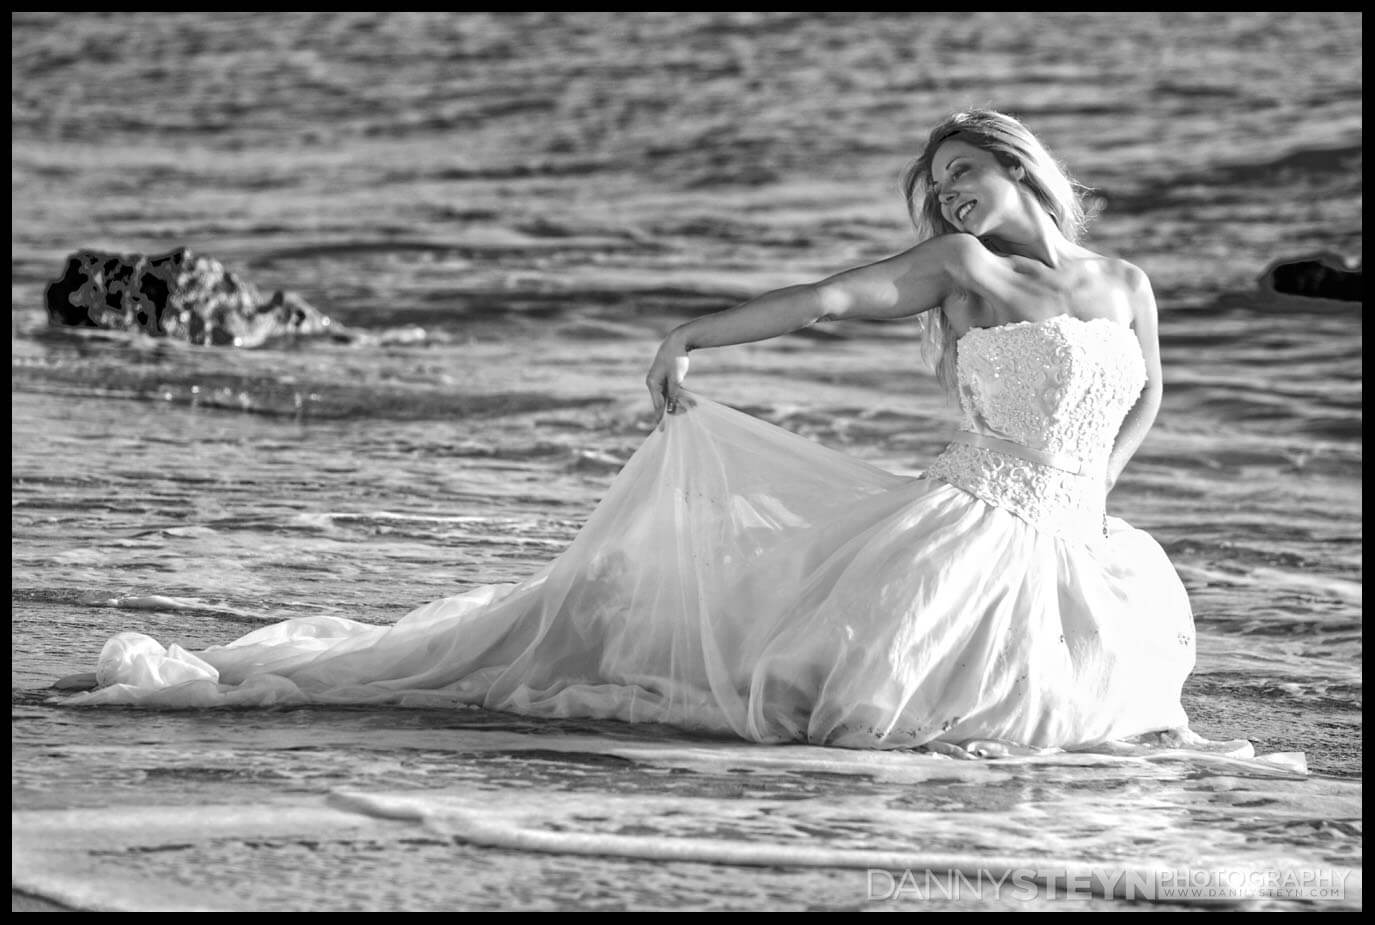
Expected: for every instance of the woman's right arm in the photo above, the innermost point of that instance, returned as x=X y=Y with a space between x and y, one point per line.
x=909 y=283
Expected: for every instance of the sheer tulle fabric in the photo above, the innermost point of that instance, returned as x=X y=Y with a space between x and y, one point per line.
x=741 y=579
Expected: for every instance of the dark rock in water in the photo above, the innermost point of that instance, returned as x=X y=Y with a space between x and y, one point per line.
x=1320 y=276
x=180 y=295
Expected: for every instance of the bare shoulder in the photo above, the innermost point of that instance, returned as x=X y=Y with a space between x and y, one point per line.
x=1139 y=304
x=960 y=250
x=977 y=269
x=1135 y=286
x=974 y=253
x=970 y=266
x=1132 y=277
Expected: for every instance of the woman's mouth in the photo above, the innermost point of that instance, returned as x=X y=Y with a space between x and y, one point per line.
x=963 y=211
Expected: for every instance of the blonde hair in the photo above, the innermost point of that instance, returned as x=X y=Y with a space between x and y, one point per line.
x=1013 y=145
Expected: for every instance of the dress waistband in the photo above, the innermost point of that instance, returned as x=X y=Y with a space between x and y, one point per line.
x=1061 y=461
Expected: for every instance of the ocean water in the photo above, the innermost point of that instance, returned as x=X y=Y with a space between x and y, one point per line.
x=512 y=209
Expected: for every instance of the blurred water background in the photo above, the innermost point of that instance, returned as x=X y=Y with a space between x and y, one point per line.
x=520 y=205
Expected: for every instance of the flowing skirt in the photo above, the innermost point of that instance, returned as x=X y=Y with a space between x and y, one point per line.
x=741 y=579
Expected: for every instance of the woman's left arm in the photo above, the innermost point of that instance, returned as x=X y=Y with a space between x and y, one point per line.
x=1142 y=415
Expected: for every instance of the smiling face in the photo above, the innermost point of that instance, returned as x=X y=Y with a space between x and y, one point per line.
x=976 y=192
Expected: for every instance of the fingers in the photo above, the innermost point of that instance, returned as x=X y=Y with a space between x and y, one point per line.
x=663 y=393
x=668 y=396
x=679 y=400
x=669 y=405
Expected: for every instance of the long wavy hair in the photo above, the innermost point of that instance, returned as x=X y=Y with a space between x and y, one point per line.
x=1013 y=144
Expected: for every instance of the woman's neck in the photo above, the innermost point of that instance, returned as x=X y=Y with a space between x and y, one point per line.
x=1036 y=237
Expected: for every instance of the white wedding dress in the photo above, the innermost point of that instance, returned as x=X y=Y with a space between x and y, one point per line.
x=741 y=579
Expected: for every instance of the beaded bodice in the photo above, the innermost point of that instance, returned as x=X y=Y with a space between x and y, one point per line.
x=1059 y=386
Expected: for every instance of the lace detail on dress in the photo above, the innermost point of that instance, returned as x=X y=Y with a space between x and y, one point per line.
x=1050 y=499
x=1061 y=385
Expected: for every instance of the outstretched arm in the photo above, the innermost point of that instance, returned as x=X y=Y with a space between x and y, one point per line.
x=1139 y=419
x=909 y=283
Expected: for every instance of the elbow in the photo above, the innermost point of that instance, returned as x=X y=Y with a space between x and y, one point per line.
x=823 y=302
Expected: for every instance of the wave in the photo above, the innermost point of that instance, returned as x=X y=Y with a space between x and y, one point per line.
x=615 y=797
x=1238 y=181
x=248 y=393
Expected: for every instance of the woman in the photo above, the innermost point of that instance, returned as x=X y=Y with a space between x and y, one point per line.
x=743 y=580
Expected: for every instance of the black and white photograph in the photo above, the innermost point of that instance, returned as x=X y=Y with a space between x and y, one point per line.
x=686 y=461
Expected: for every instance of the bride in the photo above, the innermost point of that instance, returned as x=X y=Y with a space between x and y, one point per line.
x=740 y=579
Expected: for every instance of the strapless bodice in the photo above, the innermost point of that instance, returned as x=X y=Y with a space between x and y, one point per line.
x=1059 y=387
